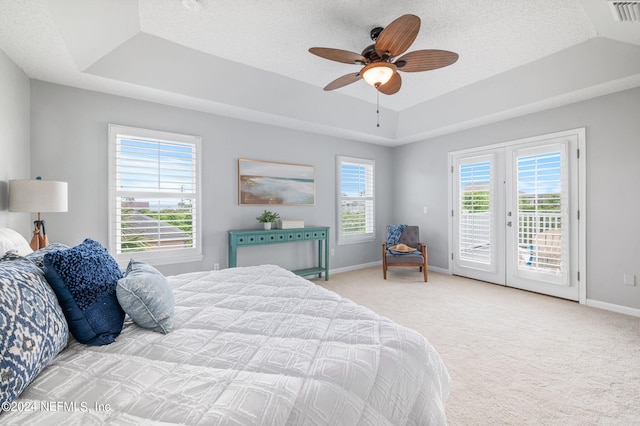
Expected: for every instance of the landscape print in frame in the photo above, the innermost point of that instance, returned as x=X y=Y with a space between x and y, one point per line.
x=267 y=183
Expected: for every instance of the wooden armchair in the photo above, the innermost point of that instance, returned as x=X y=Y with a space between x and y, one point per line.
x=410 y=237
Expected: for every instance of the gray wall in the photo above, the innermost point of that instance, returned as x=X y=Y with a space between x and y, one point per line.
x=613 y=173
x=69 y=143
x=14 y=139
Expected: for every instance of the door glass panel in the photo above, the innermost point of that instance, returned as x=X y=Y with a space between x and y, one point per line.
x=541 y=206
x=475 y=220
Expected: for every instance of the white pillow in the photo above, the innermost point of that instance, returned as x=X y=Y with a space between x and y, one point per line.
x=11 y=240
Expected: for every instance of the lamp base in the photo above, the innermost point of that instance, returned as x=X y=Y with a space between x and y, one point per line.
x=40 y=239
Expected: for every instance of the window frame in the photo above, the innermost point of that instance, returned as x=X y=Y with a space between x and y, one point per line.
x=160 y=257
x=358 y=238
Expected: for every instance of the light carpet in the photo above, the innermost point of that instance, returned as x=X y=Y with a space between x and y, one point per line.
x=515 y=357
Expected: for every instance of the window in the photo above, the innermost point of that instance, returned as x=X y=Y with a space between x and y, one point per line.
x=154 y=196
x=476 y=208
x=542 y=197
x=356 y=207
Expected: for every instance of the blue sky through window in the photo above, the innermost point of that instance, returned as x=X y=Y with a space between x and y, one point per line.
x=156 y=166
x=149 y=167
x=537 y=174
x=354 y=180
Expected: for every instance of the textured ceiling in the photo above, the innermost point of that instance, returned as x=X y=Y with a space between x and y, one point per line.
x=249 y=58
x=490 y=37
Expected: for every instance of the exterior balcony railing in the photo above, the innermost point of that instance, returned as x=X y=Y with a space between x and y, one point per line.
x=539 y=239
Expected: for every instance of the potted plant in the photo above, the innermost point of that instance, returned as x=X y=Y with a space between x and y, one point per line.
x=267 y=218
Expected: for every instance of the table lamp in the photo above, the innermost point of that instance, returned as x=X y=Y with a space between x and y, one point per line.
x=38 y=196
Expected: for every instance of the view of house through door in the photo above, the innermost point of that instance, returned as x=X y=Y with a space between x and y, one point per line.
x=515 y=214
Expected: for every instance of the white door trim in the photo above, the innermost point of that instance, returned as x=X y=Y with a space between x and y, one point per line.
x=488 y=266
x=581 y=210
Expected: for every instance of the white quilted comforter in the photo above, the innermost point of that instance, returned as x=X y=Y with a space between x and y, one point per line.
x=250 y=346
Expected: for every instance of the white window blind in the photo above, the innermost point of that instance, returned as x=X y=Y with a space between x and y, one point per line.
x=356 y=204
x=154 y=195
x=542 y=203
x=475 y=212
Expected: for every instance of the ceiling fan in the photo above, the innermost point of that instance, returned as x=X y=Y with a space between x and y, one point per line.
x=381 y=61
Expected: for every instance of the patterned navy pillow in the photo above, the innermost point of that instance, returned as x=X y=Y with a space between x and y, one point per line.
x=37 y=257
x=32 y=326
x=84 y=278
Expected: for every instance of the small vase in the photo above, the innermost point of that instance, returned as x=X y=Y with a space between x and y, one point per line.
x=267 y=225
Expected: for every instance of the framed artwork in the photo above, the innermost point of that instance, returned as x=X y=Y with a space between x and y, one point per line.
x=265 y=183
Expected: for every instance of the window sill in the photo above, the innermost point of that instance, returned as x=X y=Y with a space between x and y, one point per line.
x=123 y=260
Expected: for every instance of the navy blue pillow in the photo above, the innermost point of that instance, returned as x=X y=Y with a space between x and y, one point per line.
x=84 y=279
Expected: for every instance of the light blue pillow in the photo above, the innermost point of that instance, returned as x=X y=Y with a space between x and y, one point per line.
x=146 y=296
x=32 y=325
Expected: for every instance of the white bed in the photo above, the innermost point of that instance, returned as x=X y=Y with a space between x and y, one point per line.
x=249 y=346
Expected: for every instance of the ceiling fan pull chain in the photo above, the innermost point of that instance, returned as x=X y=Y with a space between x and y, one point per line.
x=378 y=105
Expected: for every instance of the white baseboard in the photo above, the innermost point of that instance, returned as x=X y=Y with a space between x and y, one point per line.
x=613 y=308
x=378 y=263
x=439 y=270
x=354 y=267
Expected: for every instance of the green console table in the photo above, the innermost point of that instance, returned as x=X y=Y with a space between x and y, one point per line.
x=255 y=237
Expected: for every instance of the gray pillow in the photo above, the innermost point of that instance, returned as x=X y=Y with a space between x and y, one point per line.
x=146 y=296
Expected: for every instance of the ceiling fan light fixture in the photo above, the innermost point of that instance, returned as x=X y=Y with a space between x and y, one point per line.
x=378 y=73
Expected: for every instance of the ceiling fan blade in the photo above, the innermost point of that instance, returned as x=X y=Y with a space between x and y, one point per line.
x=343 y=81
x=396 y=38
x=338 y=55
x=392 y=86
x=425 y=60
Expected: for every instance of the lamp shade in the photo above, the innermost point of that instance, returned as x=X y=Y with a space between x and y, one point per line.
x=378 y=73
x=37 y=196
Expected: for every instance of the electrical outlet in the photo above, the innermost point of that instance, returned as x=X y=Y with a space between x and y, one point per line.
x=425 y=210
x=333 y=251
x=629 y=279
x=216 y=266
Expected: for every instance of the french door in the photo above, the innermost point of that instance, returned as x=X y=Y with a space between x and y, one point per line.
x=515 y=214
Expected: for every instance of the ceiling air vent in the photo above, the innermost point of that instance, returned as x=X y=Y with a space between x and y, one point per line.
x=625 y=11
